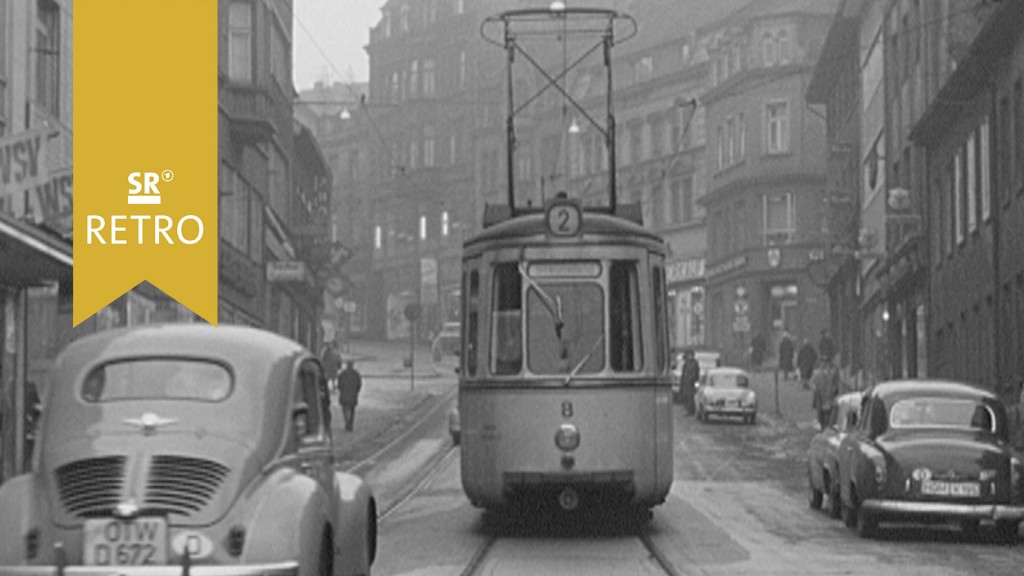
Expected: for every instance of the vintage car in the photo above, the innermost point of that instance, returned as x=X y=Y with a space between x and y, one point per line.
x=447 y=341
x=823 y=454
x=187 y=448
x=931 y=451
x=726 y=391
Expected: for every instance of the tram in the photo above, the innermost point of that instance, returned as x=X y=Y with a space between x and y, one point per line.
x=564 y=388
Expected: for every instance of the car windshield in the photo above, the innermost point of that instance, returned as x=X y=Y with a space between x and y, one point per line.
x=728 y=380
x=941 y=413
x=157 y=379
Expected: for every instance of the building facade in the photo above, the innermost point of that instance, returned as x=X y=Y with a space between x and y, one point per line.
x=970 y=137
x=766 y=166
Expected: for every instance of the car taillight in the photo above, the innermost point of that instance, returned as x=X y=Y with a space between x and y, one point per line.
x=1017 y=478
x=236 y=540
x=32 y=543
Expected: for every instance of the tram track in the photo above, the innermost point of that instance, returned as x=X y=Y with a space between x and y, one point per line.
x=484 y=553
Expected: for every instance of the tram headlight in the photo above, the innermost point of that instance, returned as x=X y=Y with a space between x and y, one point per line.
x=567 y=438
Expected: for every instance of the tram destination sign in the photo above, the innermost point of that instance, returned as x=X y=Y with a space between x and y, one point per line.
x=585 y=269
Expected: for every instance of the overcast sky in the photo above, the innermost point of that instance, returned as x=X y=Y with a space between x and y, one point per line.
x=341 y=28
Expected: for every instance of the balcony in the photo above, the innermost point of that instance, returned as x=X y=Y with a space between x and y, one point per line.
x=250 y=110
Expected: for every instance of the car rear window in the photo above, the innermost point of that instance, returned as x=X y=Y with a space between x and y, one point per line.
x=941 y=413
x=157 y=379
x=728 y=381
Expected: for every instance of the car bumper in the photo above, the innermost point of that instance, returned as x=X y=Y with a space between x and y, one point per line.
x=275 y=569
x=731 y=410
x=900 y=508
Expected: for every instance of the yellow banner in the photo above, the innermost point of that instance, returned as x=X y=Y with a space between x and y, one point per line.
x=145 y=152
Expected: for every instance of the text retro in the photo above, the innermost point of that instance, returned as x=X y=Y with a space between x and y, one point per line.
x=148 y=228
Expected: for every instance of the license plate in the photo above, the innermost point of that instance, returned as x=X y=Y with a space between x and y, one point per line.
x=135 y=542
x=957 y=489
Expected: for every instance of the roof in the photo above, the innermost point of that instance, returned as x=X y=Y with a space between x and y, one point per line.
x=238 y=345
x=902 y=388
x=533 y=225
x=841 y=41
x=30 y=254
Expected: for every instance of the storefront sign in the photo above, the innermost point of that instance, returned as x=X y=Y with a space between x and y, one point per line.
x=685 y=270
x=29 y=189
x=286 y=271
x=727 y=266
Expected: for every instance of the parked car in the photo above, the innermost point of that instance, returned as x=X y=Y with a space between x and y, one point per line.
x=726 y=391
x=447 y=341
x=823 y=454
x=706 y=359
x=931 y=451
x=201 y=447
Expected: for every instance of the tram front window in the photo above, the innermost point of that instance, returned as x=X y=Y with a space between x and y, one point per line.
x=580 y=347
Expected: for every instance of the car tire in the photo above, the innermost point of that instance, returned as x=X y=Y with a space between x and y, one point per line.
x=849 y=513
x=814 y=496
x=867 y=523
x=835 y=504
x=1006 y=531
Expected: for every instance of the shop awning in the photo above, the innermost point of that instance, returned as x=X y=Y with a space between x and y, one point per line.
x=30 y=255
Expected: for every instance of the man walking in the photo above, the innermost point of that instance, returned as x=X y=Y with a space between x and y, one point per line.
x=786 y=354
x=349 y=384
x=826 y=388
x=826 y=346
x=806 y=359
x=331 y=361
x=688 y=380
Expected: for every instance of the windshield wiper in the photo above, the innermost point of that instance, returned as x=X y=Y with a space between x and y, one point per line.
x=554 y=305
x=579 y=365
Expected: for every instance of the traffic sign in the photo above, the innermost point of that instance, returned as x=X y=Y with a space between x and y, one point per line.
x=741 y=324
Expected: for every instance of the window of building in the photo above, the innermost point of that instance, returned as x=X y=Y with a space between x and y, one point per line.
x=428 y=146
x=377 y=237
x=462 y=69
x=971 y=182
x=414 y=153
x=778 y=219
x=414 y=78
x=769 y=49
x=280 y=58
x=428 y=79
x=777 y=129
x=453 y=148
x=403 y=18
x=720 y=133
x=240 y=39
x=984 y=170
x=396 y=85
x=423 y=227
x=785 y=47
x=430 y=11
x=636 y=142
x=460 y=6
x=735 y=54
x=48 y=56
x=445 y=223
x=386 y=23
x=643 y=69
x=741 y=138
x=1018 y=130
x=958 y=197
x=730 y=137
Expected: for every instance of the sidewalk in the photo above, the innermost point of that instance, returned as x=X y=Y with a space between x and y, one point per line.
x=390 y=402
x=793 y=408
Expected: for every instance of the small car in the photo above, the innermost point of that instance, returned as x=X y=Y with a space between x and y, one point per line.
x=447 y=341
x=726 y=391
x=931 y=451
x=823 y=454
x=186 y=447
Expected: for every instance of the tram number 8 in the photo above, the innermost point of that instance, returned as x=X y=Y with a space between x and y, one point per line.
x=567 y=409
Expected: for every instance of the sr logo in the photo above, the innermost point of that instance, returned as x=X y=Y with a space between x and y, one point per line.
x=567 y=409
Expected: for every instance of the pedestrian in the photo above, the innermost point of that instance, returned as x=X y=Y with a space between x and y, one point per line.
x=688 y=378
x=1016 y=418
x=786 y=354
x=349 y=384
x=757 y=349
x=806 y=359
x=826 y=346
x=826 y=388
x=331 y=361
